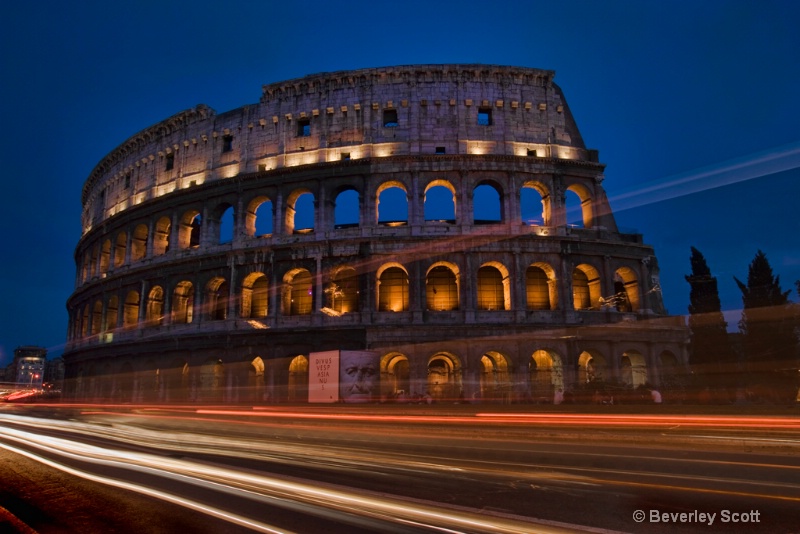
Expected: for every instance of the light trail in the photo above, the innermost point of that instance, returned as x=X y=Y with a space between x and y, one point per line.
x=317 y=499
x=757 y=165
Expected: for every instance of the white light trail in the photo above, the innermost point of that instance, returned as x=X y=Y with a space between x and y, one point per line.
x=764 y=163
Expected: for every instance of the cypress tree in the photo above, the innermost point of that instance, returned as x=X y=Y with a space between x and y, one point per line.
x=767 y=323
x=711 y=354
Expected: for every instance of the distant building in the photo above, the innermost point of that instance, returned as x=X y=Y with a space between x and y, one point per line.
x=29 y=365
x=480 y=258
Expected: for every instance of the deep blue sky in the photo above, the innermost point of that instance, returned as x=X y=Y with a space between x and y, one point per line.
x=662 y=89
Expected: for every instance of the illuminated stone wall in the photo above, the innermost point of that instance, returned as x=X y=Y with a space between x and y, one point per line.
x=168 y=308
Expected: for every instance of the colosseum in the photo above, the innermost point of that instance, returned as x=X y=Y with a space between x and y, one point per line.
x=447 y=218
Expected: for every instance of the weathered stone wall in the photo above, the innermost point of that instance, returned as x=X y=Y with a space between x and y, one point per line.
x=162 y=304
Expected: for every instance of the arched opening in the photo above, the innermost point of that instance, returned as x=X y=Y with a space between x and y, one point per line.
x=632 y=369
x=671 y=371
x=85 y=322
x=97 y=317
x=112 y=314
x=183 y=303
x=626 y=290
x=120 y=249
x=217 y=295
x=155 y=306
x=342 y=293
x=130 y=316
x=161 y=237
x=591 y=367
x=487 y=205
x=495 y=379
x=585 y=287
x=139 y=243
x=298 y=292
x=86 y=267
x=105 y=257
x=493 y=287
x=346 y=209
x=444 y=377
x=578 y=204
x=395 y=375
x=298 y=379
x=440 y=202
x=150 y=383
x=535 y=204
x=190 y=227
x=255 y=380
x=441 y=288
x=540 y=287
x=226 y=226
x=93 y=268
x=211 y=380
x=258 y=218
x=392 y=288
x=300 y=212
x=392 y=204
x=255 y=296
x=546 y=376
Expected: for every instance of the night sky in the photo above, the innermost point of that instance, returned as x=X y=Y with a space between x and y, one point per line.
x=692 y=105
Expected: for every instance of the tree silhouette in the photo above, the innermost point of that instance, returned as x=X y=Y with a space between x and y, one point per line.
x=712 y=357
x=767 y=323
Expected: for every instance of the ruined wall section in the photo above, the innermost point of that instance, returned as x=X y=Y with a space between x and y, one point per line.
x=451 y=109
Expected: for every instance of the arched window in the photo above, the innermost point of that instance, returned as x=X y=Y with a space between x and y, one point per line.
x=538 y=289
x=298 y=379
x=97 y=317
x=487 y=206
x=161 y=237
x=626 y=290
x=190 y=226
x=392 y=205
x=300 y=212
x=254 y=296
x=343 y=291
x=130 y=316
x=632 y=369
x=346 y=212
x=93 y=263
x=441 y=289
x=580 y=290
x=139 y=243
x=440 y=202
x=105 y=257
x=298 y=292
x=393 y=289
x=491 y=290
x=112 y=313
x=578 y=202
x=585 y=287
x=120 y=249
x=258 y=217
x=546 y=375
x=183 y=303
x=155 y=306
x=217 y=294
x=535 y=204
x=226 y=226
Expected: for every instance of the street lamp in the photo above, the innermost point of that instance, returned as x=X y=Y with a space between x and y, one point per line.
x=33 y=375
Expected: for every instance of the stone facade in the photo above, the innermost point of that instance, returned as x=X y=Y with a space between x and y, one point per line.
x=217 y=252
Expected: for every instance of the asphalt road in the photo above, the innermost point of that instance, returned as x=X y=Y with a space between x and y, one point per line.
x=391 y=469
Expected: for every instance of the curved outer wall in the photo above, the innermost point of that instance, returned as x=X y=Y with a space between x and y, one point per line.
x=167 y=308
